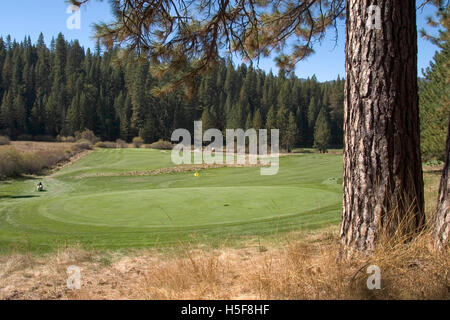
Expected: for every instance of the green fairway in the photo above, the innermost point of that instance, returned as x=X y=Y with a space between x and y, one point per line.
x=88 y=203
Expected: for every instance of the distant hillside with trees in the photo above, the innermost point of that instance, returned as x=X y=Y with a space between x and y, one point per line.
x=45 y=92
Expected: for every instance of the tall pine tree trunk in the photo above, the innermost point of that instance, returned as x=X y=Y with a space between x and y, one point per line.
x=383 y=183
x=442 y=218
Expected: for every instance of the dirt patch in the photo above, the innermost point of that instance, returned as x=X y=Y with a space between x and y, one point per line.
x=177 y=169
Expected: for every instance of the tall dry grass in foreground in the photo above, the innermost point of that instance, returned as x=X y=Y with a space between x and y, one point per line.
x=304 y=269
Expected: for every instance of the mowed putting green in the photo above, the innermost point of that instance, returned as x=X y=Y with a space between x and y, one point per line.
x=90 y=204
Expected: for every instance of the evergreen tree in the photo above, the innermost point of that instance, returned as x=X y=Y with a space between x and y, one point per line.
x=73 y=116
x=37 y=115
x=234 y=117
x=285 y=95
x=231 y=83
x=322 y=132
x=257 y=120
x=290 y=136
x=7 y=115
x=207 y=120
x=336 y=104
x=125 y=115
x=86 y=121
x=249 y=122
x=20 y=114
x=53 y=110
x=434 y=101
x=271 y=122
x=271 y=119
x=282 y=123
x=313 y=111
x=149 y=132
x=138 y=98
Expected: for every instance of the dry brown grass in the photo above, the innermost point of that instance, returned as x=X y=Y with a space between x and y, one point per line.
x=177 y=169
x=33 y=158
x=30 y=146
x=304 y=269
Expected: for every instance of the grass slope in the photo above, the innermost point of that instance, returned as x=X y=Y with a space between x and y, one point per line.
x=140 y=211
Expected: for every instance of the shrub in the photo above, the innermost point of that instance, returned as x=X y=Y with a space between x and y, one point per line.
x=13 y=163
x=82 y=145
x=32 y=163
x=161 y=145
x=106 y=145
x=65 y=139
x=121 y=144
x=110 y=145
x=138 y=142
x=100 y=144
x=49 y=159
x=87 y=135
x=4 y=140
x=10 y=163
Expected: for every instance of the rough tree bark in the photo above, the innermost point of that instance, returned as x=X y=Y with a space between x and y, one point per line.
x=442 y=217
x=383 y=183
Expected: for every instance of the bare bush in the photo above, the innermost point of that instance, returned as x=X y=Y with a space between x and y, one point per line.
x=82 y=145
x=4 y=140
x=106 y=145
x=65 y=139
x=161 y=145
x=31 y=163
x=14 y=163
x=10 y=163
x=87 y=135
x=138 y=142
x=121 y=144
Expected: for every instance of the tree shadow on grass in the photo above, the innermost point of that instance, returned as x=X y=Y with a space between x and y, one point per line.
x=18 y=197
x=19 y=178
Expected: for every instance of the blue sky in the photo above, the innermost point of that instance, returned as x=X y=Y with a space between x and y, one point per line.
x=30 y=17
